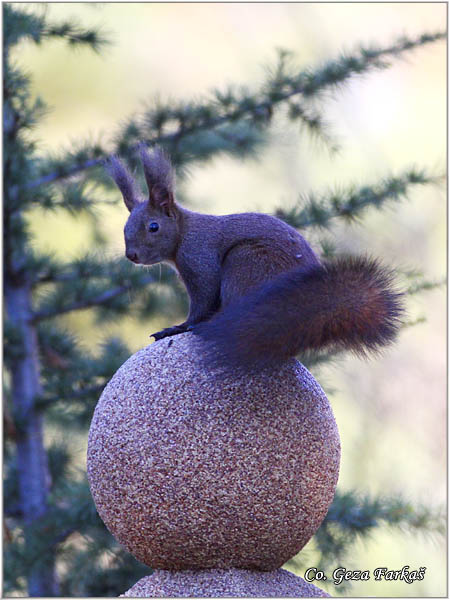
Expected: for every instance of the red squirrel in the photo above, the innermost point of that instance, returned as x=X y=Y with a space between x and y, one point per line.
x=258 y=292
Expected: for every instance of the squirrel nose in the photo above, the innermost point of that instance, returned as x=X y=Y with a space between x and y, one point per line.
x=131 y=256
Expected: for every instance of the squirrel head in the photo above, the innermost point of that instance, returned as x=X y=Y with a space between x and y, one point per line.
x=152 y=229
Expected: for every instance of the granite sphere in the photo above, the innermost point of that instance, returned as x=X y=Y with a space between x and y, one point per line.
x=224 y=583
x=195 y=468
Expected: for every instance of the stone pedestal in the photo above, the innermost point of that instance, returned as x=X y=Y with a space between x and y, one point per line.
x=224 y=583
x=193 y=469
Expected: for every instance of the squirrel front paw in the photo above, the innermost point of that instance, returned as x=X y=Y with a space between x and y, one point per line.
x=170 y=331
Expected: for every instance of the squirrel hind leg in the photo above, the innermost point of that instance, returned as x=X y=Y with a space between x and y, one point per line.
x=247 y=332
x=250 y=264
x=347 y=304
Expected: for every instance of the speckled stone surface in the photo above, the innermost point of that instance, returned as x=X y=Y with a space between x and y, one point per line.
x=224 y=583
x=193 y=469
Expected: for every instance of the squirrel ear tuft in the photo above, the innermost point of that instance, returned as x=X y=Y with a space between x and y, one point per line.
x=124 y=181
x=160 y=179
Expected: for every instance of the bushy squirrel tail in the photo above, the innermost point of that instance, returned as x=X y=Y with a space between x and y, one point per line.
x=348 y=303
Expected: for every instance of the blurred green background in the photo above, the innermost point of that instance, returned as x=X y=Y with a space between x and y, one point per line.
x=391 y=411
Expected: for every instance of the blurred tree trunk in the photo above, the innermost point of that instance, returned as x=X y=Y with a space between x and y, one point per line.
x=32 y=463
x=32 y=466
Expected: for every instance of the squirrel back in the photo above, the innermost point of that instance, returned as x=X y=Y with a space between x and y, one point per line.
x=258 y=292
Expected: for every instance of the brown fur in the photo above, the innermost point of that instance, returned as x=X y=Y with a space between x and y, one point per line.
x=347 y=304
x=258 y=292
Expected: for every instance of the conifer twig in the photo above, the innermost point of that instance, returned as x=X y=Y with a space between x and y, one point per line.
x=308 y=84
x=349 y=204
x=100 y=299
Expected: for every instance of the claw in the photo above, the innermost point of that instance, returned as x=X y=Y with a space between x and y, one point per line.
x=169 y=331
x=158 y=335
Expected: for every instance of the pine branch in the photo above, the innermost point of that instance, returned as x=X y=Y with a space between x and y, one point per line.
x=74 y=381
x=74 y=197
x=313 y=122
x=76 y=35
x=62 y=519
x=20 y=25
x=352 y=516
x=71 y=395
x=350 y=204
x=95 y=281
x=424 y=286
x=103 y=298
x=92 y=265
x=413 y=322
x=168 y=125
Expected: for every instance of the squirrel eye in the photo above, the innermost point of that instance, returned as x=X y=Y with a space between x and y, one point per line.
x=153 y=226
